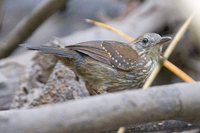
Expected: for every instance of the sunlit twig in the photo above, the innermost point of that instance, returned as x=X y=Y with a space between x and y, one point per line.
x=108 y=27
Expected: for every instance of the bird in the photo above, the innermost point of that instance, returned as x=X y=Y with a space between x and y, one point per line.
x=109 y=66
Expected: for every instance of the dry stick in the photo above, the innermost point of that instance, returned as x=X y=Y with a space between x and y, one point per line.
x=169 y=51
x=123 y=35
x=108 y=27
x=28 y=25
x=178 y=72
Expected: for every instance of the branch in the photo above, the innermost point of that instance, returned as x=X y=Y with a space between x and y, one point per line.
x=28 y=25
x=178 y=101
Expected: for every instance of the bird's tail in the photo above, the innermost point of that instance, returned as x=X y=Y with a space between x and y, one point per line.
x=61 y=52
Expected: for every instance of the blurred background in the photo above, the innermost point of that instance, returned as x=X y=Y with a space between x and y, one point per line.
x=65 y=19
x=63 y=22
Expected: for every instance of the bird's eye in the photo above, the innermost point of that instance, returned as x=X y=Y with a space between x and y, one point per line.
x=145 y=40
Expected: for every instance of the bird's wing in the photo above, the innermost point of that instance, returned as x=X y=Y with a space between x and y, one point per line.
x=113 y=53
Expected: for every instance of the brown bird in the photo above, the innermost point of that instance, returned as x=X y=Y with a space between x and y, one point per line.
x=108 y=66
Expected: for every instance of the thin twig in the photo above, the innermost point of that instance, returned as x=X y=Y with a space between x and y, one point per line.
x=28 y=25
x=178 y=36
x=120 y=33
x=178 y=72
x=169 y=50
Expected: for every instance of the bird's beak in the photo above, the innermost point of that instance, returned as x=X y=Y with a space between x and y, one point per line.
x=165 y=40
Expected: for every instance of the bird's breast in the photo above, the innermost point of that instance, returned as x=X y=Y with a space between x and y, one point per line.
x=137 y=77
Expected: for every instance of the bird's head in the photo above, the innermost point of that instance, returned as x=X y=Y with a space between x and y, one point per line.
x=150 y=45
